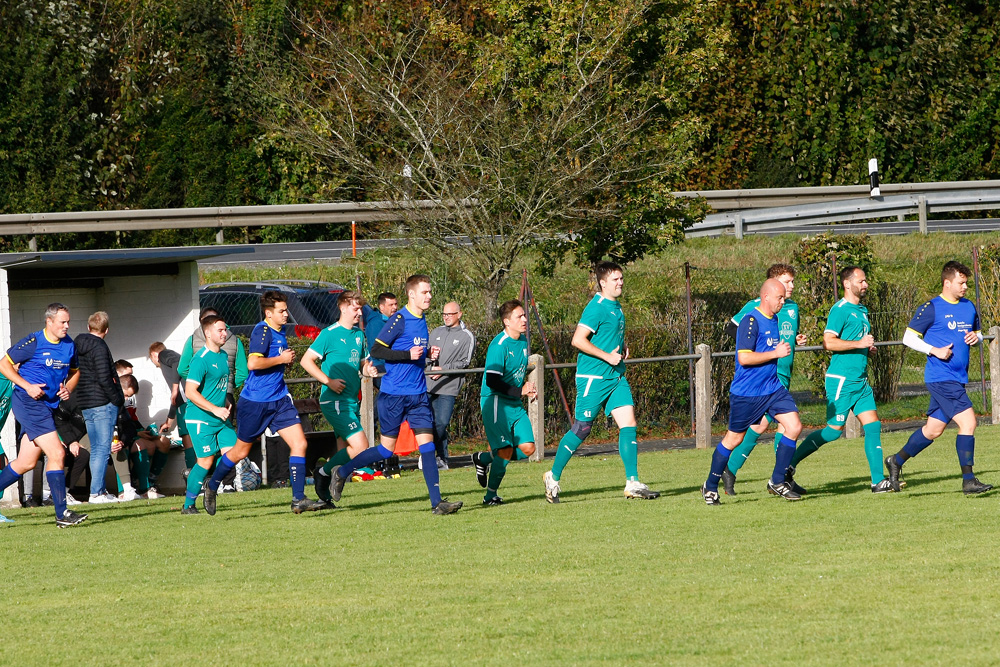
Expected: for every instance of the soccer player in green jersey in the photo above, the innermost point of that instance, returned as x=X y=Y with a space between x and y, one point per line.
x=601 y=383
x=848 y=336
x=788 y=326
x=207 y=415
x=508 y=429
x=337 y=358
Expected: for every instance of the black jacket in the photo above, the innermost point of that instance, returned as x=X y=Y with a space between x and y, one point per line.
x=98 y=383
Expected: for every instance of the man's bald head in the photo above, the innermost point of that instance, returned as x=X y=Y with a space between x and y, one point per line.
x=772 y=296
x=452 y=314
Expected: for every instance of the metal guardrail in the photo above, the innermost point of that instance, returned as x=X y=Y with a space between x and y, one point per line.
x=984 y=197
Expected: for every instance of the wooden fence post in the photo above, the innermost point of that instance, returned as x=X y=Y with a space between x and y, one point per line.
x=703 y=397
x=368 y=409
x=852 y=427
x=536 y=408
x=995 y=373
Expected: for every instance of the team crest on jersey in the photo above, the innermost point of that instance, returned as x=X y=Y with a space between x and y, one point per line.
x=786 y=329
x=791 y=313
x=355 y=356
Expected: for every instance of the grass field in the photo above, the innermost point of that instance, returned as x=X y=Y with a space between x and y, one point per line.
x=843 y=577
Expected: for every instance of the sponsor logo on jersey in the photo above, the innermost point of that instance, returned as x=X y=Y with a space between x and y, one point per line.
x=953 y=324
x=771 y=342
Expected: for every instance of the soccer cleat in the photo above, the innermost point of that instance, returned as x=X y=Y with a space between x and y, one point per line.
x=894 y=470
x=784 y=490
x=337 y=485
x=102 y=499
x=885 y=486
x=307 y=505
x=446 y=507
x=48 y=502
x=971 y=487
x=482 y=469
x=493 y=502
x=551 y=488
x=31 y=501
x=210 y=500
x=70 y=518
x=711 y=497
x=636 y=489
x=328 y=505
x=790 y=481
x=190 y=510
x=728 y=482
x=321 y=484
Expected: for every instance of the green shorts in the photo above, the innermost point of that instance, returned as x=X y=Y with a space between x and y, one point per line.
x=182 y=429
x=210 y=437
x=843 y=395
x=343 y=415
x=506 y=422
x=594 y=392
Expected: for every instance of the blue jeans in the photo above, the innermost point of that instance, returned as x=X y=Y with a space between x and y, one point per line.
x=442 y=406
x=101 y=429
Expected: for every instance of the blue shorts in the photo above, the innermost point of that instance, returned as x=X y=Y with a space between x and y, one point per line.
x=253 y=418
x=947 y=400
x=394 y=409
x=35 y=417
x=745 y=411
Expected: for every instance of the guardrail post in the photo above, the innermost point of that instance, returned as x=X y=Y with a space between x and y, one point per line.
x=703 y=397
x=220 y=236
x=738 y=226
x=536 y=408
x=922 y=213
x=852 y=427
x=995 y=373
x=33 y=244
x=368 y=409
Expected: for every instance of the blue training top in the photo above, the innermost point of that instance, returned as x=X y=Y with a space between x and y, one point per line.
x=269 y=384
x=941 y=322
x=756 y=333
x=403 y=331
x=44 y=362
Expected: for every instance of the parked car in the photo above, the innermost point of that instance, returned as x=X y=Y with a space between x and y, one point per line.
x=312 y=305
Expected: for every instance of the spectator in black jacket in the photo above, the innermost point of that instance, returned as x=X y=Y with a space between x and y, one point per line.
x=99 y=396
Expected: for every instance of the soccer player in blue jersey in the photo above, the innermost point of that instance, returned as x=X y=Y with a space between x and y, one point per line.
x=756 y=391
x=402 y=344
x=46 y=375
x=944 y=329
x=265 y=403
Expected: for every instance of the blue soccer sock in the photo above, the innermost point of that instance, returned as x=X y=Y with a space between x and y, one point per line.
x=8 y=477
x=365 y=458
x=782 y=459
x=57 y=486
x=966 y=447
x=431 y=476
x=297 y=471
x=222 y=469
x=917 y=443
x=720 y=457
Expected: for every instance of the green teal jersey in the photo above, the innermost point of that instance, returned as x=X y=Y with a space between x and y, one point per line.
x=508 y=358
x=849 y=322
x=6 y=389
x=606 y=322
x=788 y=329
x=341 y=352
x=210 y=370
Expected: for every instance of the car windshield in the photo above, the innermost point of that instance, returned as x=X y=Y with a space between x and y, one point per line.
x=322 y=305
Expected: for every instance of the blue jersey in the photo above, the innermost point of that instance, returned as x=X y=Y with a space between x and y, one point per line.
x=269 y=384
x=403 y=331
x=941 y=322
x=756 y=333
x=44 y=362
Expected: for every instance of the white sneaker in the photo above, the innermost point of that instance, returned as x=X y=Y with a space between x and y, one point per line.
x=102 y=499
x=636 y=489
x=551 y=488
x=442 y=464
x=420 y=462
x=153 y=493
x=70 y=500
x=128 y=495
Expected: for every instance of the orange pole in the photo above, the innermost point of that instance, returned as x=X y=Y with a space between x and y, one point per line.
x=354 y=240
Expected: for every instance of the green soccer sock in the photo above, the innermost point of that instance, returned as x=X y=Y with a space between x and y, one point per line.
x=497 y=470
x=873 y=450
x=190 y=458
x=742 y=451
x=777 y=440
x=628 y=449
x=337 y=460
x=195 y=480
x=140 y=463
x=813 y=442
x=158 y=463
x=567 y=446
x=486 y=458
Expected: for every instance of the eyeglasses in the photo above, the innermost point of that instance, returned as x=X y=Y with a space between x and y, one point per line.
x=450 y=314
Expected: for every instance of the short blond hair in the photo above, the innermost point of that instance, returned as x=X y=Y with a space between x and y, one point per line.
x=98 y=322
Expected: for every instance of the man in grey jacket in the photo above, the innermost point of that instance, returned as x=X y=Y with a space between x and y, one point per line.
x=457 y=344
